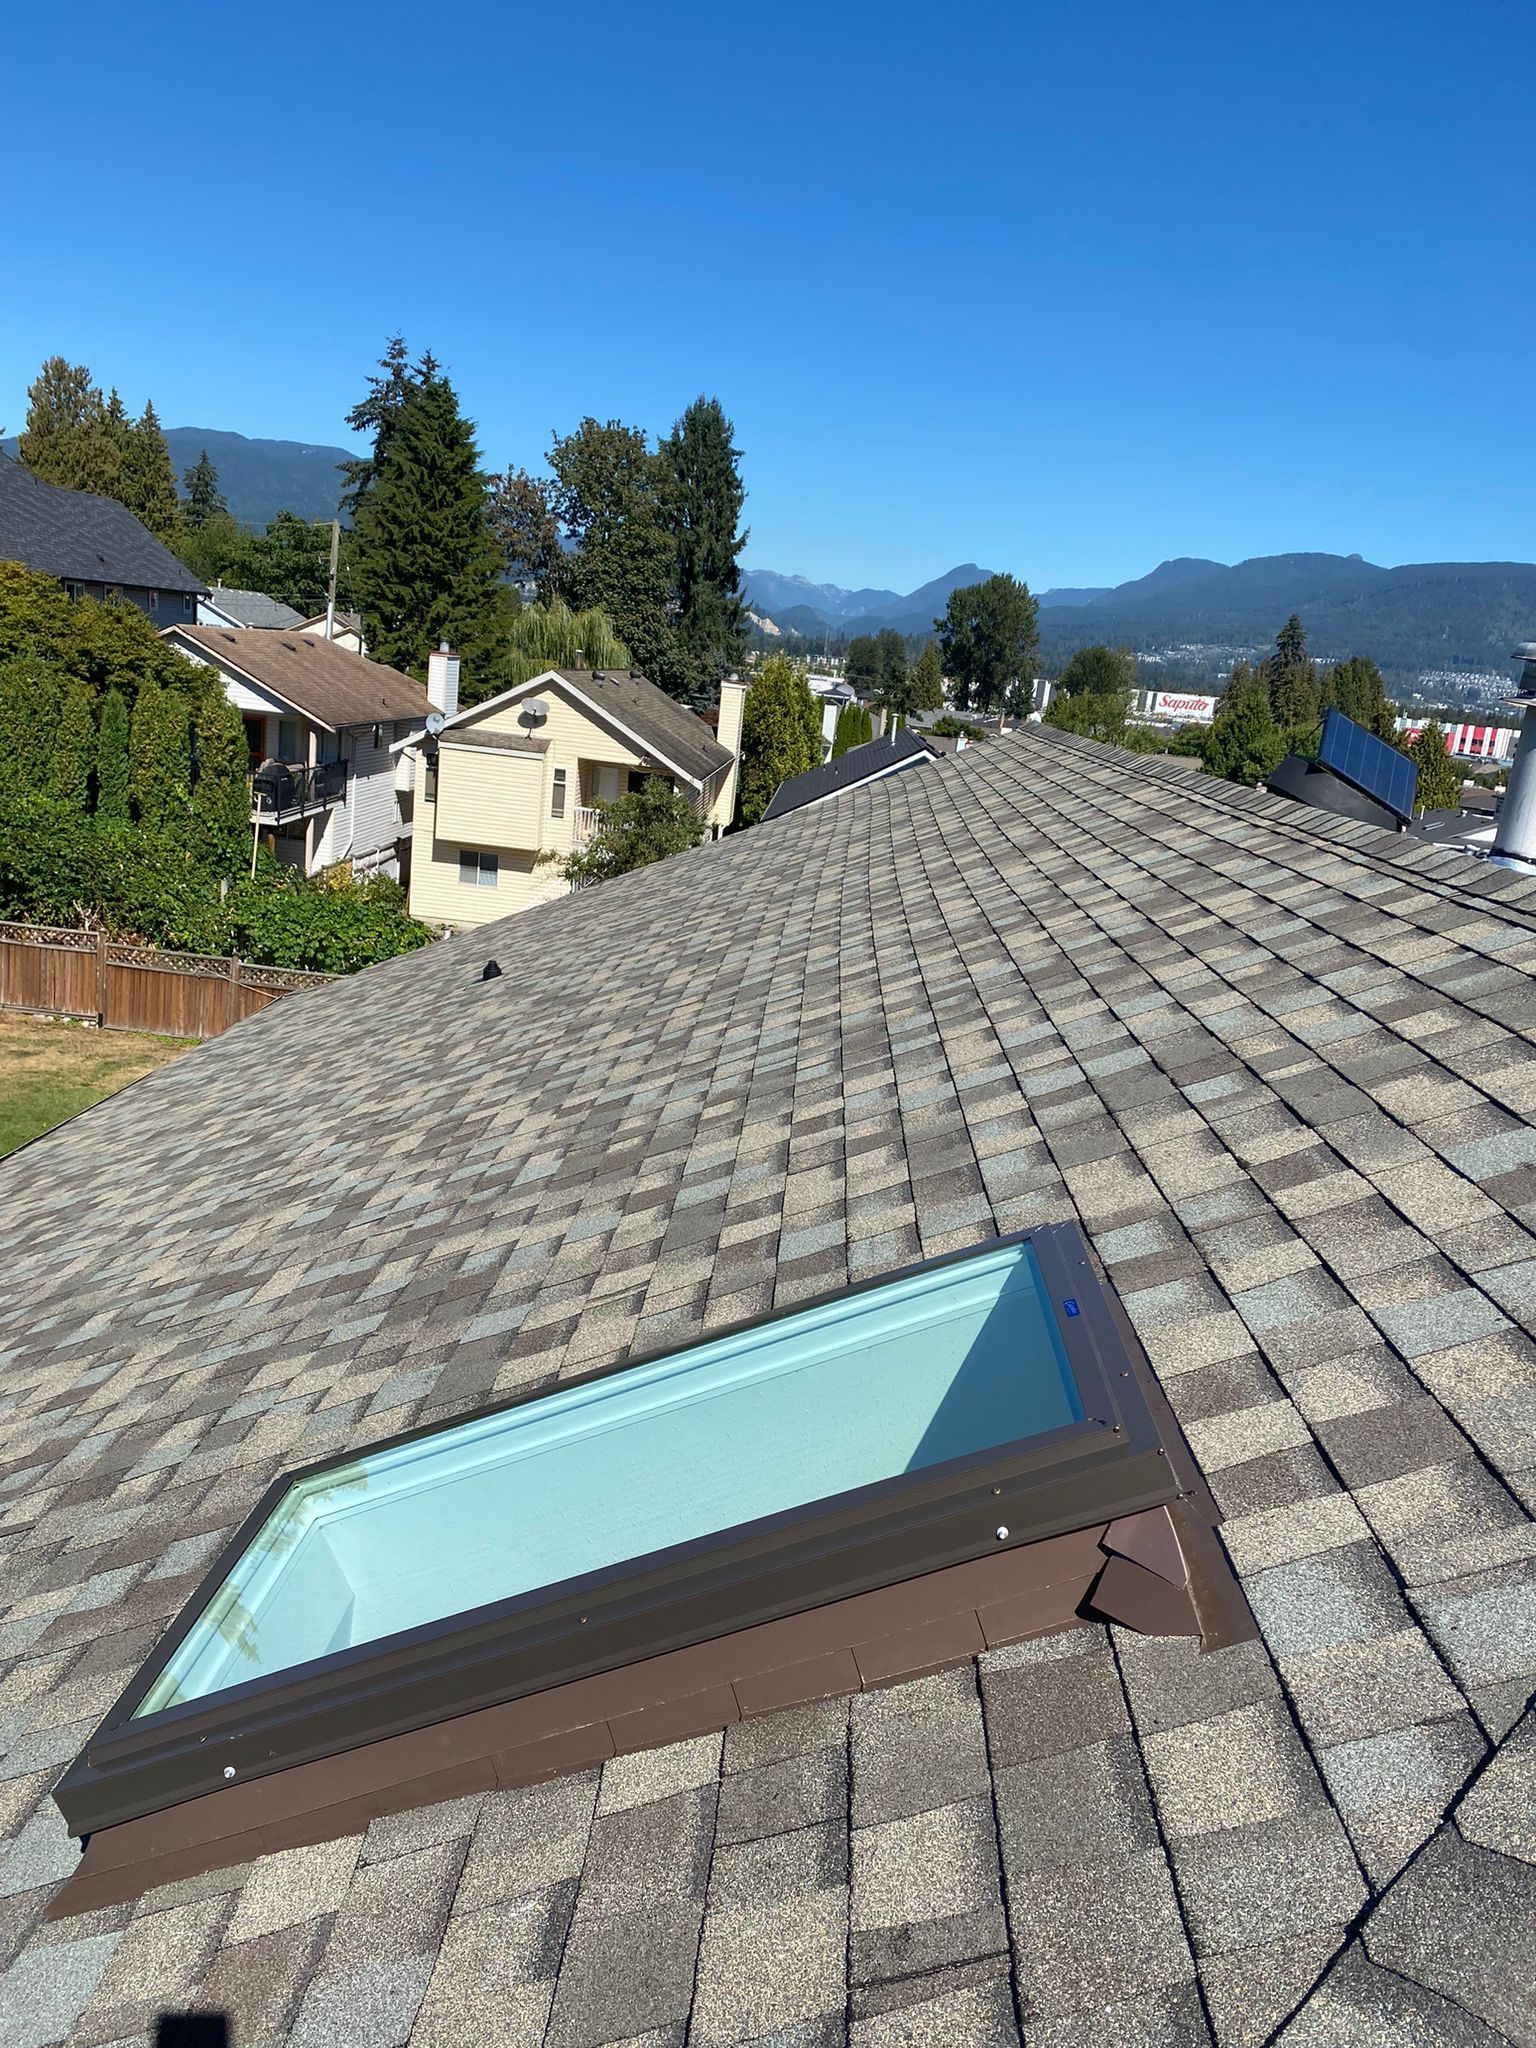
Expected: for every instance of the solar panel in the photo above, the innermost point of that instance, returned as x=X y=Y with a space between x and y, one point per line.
x=1368 y=764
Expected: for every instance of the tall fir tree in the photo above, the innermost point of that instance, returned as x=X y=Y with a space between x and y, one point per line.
x=1357 y=686
x=1291 y=676
x=426 y=568
x=204 y=499
x=74 y=749
x=62 y=426
x=702 y=497
x=112 y=778
x=378 y=412
x=608 y=494
x=221 y=803
x=148 y=485
x=1439 y=784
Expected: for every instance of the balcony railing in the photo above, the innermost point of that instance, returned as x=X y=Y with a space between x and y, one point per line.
x=292 y=789
x=588 y=819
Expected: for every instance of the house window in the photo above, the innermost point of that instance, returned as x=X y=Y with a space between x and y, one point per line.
x=186 y=604
x=288 y=739
x=478 y=870
x=110 y=590
x=557 y=795
x=154 y=600
x=74 y=591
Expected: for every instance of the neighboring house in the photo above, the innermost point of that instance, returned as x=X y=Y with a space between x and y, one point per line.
x=891 y=755
x=223 y=606
x=94 y=546
x=833 y=694
x=320 y=724
x=1277 y=1067
x=520 y=777
x=346 y=631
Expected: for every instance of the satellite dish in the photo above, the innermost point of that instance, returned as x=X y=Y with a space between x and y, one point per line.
x=435 y=722
x=535 y=711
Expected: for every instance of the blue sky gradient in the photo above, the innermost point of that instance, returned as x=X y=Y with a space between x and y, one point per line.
x=1060 y=288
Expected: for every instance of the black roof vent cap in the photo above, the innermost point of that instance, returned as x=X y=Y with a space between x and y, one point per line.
x=490 y=971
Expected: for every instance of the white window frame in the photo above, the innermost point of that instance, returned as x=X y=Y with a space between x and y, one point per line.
x=486 y=871
x=557 y=794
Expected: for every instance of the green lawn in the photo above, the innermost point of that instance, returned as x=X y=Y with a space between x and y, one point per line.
x=50 y=1070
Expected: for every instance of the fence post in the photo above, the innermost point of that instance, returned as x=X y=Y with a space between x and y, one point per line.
x=103 y=971
x=233 y=1016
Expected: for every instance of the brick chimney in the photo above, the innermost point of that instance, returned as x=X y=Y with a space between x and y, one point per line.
x=443 y=679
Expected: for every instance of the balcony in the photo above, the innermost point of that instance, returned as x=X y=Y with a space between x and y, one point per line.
x=588 y=819
x=281 y=790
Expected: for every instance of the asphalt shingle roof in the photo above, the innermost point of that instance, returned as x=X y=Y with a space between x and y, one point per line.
x=81 y=538
x=677 y=735
x=892 y=751
x=1281 y=1067
x=252 y=608
x=327 y=683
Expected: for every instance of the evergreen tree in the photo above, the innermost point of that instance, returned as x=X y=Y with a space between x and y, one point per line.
x=221 y=803
x=780 y=734
x=608 y=494
x=925 y=682
x=1244 y=743
x=1357 y=687
x=114 y=450
x=143 y=752
x=1291 y=676
x=378 y=413
x=148 y=481
x=989 y=644
x=854 y=728
x=204 y=500
x=63 y=421
x=426 y=568
x=74 y=749
x=1439 y=787
x=112 y=757
x=29 y=717
x=702 y=496
x=861 y=664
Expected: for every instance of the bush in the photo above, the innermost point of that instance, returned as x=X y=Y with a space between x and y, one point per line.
x=650 y=823
x=283 y=920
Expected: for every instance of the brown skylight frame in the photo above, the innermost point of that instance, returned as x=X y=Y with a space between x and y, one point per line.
x=1124 y=1457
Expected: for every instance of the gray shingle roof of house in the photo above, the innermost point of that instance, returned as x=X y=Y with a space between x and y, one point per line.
x=884 y=756
x=252 y=607
x=81 y=538
x=675 y=733
x=1282 y=1068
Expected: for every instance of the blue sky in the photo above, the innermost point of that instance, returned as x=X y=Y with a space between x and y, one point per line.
x=1061 y=288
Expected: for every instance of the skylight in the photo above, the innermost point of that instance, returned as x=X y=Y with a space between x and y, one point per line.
x=885 y=1433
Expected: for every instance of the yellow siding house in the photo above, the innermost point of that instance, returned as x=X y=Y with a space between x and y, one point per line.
x=520 y=776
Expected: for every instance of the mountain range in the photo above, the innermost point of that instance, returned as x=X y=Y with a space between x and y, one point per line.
x=1195 y=616
x=258 y=478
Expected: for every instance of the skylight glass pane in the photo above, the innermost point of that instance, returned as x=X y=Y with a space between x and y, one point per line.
x=928 y=1367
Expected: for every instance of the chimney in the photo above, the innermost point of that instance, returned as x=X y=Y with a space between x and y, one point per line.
x=443 y=679
x=1516 y=837
x=733 y=696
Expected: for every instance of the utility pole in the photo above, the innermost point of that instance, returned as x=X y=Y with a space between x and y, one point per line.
x=330 y=595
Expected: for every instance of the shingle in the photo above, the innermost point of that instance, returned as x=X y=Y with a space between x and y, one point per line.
x=1232 y=1771
x=1461 y=1921
x=1500 y=1810
x=1356 y=2002
x=294 y=1885
x=1266 y=1882
x=1091 y=1932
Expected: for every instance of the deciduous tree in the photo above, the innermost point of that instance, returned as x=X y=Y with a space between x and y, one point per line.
x=526 y=528
x=648 y=825
x=608 y=494
x=988 y=642
x=545 y=636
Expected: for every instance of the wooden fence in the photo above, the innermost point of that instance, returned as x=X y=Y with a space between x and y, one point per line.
x=57 y=972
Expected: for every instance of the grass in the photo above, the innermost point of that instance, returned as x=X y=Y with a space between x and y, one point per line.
x=51 y=1069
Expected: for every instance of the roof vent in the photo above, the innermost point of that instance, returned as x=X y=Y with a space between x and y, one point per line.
x=1516 y=838
x=490 y=971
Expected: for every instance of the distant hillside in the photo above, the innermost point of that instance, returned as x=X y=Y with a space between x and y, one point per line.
x=1198 y=615
x=799 y=606
x=259 y=479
